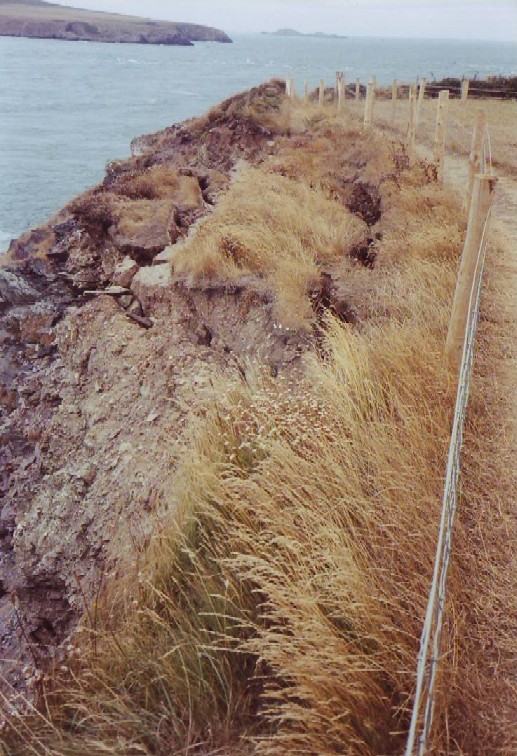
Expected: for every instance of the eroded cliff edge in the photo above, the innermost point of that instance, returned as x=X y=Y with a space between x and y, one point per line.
x=93 y=387
x=107 y=348
x=40 y=20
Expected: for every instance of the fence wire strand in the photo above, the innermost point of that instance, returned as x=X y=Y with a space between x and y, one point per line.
x=430 y=641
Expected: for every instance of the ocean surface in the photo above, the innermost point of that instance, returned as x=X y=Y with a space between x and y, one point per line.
x=67 y=108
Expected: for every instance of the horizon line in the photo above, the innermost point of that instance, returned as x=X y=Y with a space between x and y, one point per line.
x=321 y=35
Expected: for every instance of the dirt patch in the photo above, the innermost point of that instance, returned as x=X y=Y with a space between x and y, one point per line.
x=365 y=201
x=365 y=253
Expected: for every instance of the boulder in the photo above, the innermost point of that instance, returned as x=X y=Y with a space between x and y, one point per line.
x=125 y=272
x=14 y=290
x=35 y=324
x=167 y=255
x=144 y=228
x=152 y=286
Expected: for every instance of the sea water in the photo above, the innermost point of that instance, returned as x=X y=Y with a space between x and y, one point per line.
x=67 y=108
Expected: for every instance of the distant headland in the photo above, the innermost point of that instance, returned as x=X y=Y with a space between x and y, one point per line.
x=294 y=33
x=41 y=20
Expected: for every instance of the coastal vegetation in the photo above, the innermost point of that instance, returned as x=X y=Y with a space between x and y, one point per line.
x=276 y=603
x=499 y=87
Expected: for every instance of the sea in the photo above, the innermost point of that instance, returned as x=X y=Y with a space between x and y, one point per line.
x=68 y=108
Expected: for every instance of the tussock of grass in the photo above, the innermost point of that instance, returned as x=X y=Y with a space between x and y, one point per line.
x=318 y=163
x=426 y=223
x=273 y=227
x=159 y=182
x=264 y=107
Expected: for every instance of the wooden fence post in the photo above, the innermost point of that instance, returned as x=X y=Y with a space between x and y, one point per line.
x=464 y=91
x=421 y=95
x=394 y=95
x=306 y=95
x=439 y=134
x=340 y=90
x=368 y=110
x=412 y=116
x=322 y=93
x=358 y=89
x=468 y=276
x=289 y=87
x=476 y=156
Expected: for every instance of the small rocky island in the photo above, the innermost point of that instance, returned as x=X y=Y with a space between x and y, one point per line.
x=294 y=33
x=40 y=20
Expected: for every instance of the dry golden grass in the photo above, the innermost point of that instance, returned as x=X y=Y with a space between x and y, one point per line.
x=283 y=614
x=280 y=609
x=132 y=216
x=332 y=151
x=276 y=228
x=460 y=121
x=159 y=182
x=264 y=106
x=483 y=690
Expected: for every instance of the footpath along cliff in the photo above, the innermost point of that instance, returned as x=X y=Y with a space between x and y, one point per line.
x=224 y=422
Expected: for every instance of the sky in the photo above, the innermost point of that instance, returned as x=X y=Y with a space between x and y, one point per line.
x=438 y=19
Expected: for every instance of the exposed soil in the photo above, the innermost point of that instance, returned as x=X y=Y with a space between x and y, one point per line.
x=93 y=386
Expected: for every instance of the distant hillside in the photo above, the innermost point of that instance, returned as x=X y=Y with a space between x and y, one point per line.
x=23 y=2
x=37 y=19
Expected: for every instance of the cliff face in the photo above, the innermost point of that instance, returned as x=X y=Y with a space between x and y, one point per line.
x=107 y=350
x=44 y=21
x=102 y=356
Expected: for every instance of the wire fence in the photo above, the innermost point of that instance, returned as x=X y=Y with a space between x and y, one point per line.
x=430 y=651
